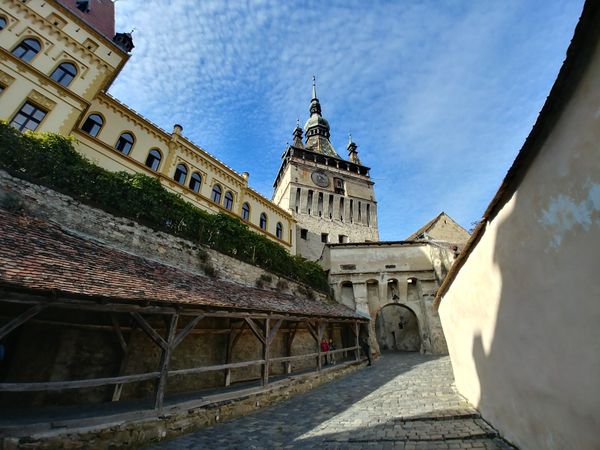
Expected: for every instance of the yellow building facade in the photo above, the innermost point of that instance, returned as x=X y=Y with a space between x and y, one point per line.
x=57 y=60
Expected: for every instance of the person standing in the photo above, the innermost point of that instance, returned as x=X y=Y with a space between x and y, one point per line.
x=331 y=355
x=366 y=348
x=325 y=349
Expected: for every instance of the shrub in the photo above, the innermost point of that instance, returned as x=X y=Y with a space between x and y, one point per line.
x=281 y=285
x=12 y=203
x=51 y=160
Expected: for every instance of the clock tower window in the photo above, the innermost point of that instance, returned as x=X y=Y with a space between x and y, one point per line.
x=338 y=186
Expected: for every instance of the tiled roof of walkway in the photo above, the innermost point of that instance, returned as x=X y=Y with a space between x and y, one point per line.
x=38 y=255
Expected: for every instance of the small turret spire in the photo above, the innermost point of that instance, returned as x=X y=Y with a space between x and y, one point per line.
x=314 y=89
x=352 y=151
x=298 y=135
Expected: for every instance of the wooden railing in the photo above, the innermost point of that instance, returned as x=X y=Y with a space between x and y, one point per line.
x=263 y=326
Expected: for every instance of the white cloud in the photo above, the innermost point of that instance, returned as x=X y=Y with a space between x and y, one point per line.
x=438 y=95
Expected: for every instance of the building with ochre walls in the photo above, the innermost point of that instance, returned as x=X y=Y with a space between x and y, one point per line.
x=57 y=61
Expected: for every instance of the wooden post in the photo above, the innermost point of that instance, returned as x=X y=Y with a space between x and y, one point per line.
x=228 y=350
x=319 y=339
x=231 y=341
x=164 y=364
x=266 y=345
x=125 y=349
x=357 y=336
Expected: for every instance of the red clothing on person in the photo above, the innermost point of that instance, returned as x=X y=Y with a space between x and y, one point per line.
x=324 y=346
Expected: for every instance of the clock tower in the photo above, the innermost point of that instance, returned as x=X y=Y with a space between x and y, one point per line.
x=331 y=198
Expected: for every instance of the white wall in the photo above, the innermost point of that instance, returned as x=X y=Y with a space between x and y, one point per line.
x=522 y=317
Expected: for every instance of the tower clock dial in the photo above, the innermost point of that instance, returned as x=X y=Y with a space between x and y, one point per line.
x=320 y=178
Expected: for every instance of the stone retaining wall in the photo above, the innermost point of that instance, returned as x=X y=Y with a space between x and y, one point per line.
x=128 y=235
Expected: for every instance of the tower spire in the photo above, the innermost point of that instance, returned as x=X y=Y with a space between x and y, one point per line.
x=316 y=129
x=315 y=106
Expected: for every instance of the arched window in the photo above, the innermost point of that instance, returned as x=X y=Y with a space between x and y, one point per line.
x=27 y=49
x=124 y=143
x=2 y=23
x=180 y=173
x=279 y=230
x=153 y=159
x=228 y=202
x=216 y=194
x=93 y=124
x=64 y=74
x=195 y=182
x=263 y=221
x=246 y=211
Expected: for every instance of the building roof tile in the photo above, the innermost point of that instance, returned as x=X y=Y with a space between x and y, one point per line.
x=40 y=256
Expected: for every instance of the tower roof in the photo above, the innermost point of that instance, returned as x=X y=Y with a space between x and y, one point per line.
x=317 y=129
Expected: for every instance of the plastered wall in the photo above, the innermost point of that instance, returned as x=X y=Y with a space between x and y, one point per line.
x=373 y=278
x=522 y=316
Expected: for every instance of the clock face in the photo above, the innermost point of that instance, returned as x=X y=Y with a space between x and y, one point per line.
x=320 y=178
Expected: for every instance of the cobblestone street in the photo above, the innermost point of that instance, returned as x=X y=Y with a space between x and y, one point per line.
x=404 y=401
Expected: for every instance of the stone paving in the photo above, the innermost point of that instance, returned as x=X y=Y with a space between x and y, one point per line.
x=404 y=401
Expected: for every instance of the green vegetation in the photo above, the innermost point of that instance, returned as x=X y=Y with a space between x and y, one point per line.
x=50 y=160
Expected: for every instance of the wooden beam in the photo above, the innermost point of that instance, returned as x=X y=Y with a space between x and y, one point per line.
x=274 y=330
x=357 y=335
x=187 y=330
x=215 y=368
x=352 y=328
x=294 y=358
x=128 y=307
x=21 y=319
x=312 y=332
x=307 y=355
x=290 y=341
x=126 y=347
x=164 y=364
x=229 y=350
x=118 y=332
x=238 y=335
x=255 y=329
x=77 y=384
x=152 y=334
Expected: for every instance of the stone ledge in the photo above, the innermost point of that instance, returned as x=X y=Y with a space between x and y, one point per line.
x=117 y=431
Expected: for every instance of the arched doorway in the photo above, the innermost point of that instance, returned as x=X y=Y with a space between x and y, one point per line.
x=397 y=328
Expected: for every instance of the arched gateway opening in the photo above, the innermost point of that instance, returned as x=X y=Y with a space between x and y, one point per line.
x=397 y=328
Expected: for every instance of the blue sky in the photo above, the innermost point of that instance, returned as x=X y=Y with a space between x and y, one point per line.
x=438 y=95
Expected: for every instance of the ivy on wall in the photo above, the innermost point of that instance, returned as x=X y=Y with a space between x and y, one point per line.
x=50 y=160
